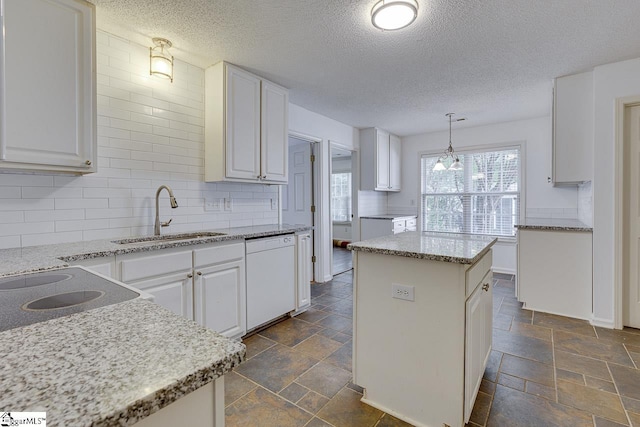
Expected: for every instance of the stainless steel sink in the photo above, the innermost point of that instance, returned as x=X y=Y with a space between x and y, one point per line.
x=169 y=237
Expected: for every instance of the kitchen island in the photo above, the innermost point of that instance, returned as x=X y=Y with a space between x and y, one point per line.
x=422 y=324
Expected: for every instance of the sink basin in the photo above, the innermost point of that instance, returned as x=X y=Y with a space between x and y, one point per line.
x=169 y=237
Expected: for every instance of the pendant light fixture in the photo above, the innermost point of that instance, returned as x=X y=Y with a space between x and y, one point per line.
x=449 y=152
x=394 y=14
x=160 y=60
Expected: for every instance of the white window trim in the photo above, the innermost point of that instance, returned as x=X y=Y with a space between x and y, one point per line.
x=521 y=145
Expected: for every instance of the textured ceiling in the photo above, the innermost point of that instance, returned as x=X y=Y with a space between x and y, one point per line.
x=487 y=60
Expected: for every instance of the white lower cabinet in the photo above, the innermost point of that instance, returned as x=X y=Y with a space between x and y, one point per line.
x=219 y=285
x=303 y=272
x=103 y=265
x=478 y=315
x=206 y=284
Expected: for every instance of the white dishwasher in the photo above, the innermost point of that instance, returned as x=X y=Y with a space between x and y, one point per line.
x=270 y=278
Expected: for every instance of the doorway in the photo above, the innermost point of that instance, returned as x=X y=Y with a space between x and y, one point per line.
x=631 y=217
x=341 y=187
x=298 y=196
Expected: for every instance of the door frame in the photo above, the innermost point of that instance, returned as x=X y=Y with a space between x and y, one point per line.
x=318 y=227
x=619 y=305
x=355 y=185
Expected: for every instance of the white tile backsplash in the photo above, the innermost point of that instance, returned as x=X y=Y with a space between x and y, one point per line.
x=585 y=203
x=150 y=132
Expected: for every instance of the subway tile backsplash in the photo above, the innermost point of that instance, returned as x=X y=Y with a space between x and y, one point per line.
x=150 y=132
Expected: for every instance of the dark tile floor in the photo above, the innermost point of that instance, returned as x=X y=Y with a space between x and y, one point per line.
x=342 y=260
x=544 y=370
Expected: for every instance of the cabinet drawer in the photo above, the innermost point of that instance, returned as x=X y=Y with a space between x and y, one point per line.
x=155 y=265
x=217 y=254
x=411 y=223
x=477 y=271
x=399 y=226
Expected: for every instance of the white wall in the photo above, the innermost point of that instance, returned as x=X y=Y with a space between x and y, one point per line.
x=611 y=81
x=305 y=122
x=540 y=196
x=150 y=132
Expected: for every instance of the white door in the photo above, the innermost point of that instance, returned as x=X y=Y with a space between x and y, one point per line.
x=382 y=160
x=632 y=223
x=242 y=124
x=47 y=83
x=275 y=131
x=297 y=194
x=395 y=151
x=220 y=298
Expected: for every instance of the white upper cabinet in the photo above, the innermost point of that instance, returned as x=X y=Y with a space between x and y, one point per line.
x=246 y=127
x=573 y=129
x=47 y=86
x=380 y=154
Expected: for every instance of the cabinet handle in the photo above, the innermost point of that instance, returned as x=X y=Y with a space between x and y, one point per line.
x=259 y=177
x=88 y=163
x=190 y=276
x=485 y=287
x=199 y=273
x=264 y=176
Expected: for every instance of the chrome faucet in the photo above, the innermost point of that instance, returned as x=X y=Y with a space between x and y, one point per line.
x=174 y=204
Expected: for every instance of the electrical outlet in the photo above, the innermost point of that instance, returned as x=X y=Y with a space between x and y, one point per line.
x=274 y=204
x=413 y=202
x=228 y=204
x=403 y=292
x=211 y=205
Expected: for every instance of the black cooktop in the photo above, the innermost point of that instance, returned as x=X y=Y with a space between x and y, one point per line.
x=33 y=298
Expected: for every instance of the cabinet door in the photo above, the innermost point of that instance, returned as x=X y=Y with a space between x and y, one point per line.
x=48 y=105
x=172 y=291
x=382 y=160
x=395 y=158
x=105 y=266
x=303 y=271
x=220 y=298
x=478 y=338
x=242 y=145
x=275 y=132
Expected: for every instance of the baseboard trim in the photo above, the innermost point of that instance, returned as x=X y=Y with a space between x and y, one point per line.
x=392 y=412
x=603 y=323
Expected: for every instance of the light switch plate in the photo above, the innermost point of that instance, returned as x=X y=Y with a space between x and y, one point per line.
x=404 y=292
x=228 y=205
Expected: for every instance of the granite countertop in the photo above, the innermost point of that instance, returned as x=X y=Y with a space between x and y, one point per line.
x=389 y=216
x=550 y=224
x=447 y=247
x=46 y=257
x=111 y=366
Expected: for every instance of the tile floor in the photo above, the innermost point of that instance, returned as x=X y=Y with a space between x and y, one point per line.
x=544 y=370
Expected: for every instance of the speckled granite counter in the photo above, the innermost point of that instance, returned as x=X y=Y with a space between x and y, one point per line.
x=389 y=216
x=548 y=224
x=111 y=366
x=46 y=257
x=456 y=248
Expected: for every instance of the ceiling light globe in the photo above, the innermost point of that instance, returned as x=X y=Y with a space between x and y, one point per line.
x=394 y=14
x=456 y=166
x=439 y=166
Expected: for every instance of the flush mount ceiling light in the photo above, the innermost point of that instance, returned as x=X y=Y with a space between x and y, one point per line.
x=160 y=60
x=449 y=153
x=394 y=14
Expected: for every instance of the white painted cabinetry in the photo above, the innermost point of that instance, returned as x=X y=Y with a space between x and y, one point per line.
x=219 y=289
x=378 y=227
x=452 y=310
x=203 y=283
x=246 y=127
x=564 y=284
x=572 y=156
x=303 y=272
x=380 y=159
x=47 y=86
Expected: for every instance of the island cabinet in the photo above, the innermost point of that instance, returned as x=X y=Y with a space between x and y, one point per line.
x=422 y=327
x=246 y=127
x=48 y=86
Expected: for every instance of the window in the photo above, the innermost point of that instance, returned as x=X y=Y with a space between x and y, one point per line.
x=341 y=196
x=482 y=198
